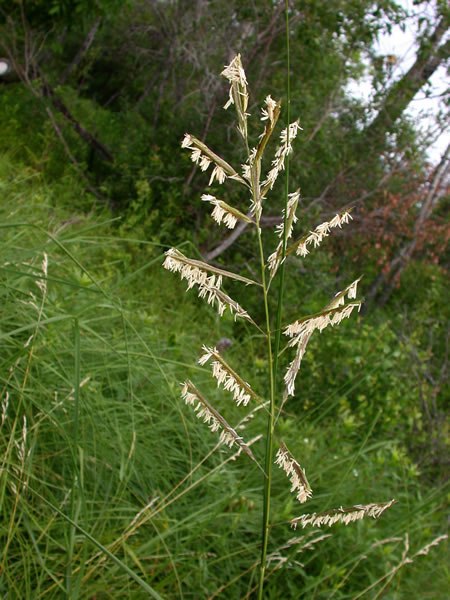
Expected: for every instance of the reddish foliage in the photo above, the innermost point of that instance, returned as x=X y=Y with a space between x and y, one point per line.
x=396 y=227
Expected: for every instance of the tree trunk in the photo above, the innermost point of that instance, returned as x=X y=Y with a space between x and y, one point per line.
x=429 y=57
x=95 y=144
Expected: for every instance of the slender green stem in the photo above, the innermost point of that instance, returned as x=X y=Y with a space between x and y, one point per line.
x=273 y=357
x=286 y=198
x=270 y=423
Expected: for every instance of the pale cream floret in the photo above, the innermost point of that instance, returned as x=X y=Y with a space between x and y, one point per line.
x=282 y=151
x=234 y=72
x=316 y=237
x=300 y=331
x=226 y=377
x=219 y=215
x=268 y=112
x=217 y=174
x=296 y=474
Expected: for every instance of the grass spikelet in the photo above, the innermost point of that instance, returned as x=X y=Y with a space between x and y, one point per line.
x=294 y=366
x=283 y=150
x=342 y=515
x=275 y=259
x=227 y=377
x=424 y=551
x=215 y=295
x=321 y=320
x=42 y=281
x=301 y=330
x=5 y=405
x=22 y=455
x=203 y=156
x=305 y=542
x=294 y=546
x=225 y=213
x=270 y=113
x=238 y=94
x=205 y=411
x=350 y=291
x=333 y=313
x=315 y=238
x=296 y=474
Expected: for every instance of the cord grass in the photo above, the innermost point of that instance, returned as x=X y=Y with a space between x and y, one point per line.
x=208 y=281
x=137 y=496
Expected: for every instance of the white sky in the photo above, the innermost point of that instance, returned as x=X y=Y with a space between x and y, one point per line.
x=402 y=45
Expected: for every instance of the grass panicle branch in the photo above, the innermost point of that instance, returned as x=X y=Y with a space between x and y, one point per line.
x=296 y=474
x=314 y=238
x=203 y=156
x=225 y=213
x=196 y=273
x=205 y=411
x=227 y=377
x=343 y=515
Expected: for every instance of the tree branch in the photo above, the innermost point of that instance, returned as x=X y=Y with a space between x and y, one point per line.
x=82 y=51
x=101 y=149
x=429 y=56
x=386 y=281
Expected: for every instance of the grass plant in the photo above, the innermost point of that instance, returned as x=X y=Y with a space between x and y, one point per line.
x=208 y=279
x=109 y=488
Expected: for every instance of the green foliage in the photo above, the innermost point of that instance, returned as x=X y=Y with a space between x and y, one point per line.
x=94 y=364
x=45 y=13
x=130 y=90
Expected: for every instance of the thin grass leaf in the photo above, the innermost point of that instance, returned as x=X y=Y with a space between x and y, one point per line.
x=144 y=585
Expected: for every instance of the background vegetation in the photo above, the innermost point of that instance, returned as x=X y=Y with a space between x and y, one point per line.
x=95 y=338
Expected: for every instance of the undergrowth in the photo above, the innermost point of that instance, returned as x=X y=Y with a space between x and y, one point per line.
x=108 y=489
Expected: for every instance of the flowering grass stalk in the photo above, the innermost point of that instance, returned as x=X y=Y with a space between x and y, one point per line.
x=208 y=279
